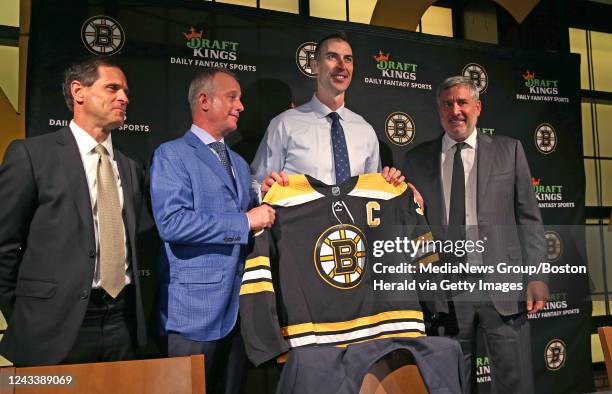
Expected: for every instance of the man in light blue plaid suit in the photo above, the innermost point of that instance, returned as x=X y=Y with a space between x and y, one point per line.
x=205 y=209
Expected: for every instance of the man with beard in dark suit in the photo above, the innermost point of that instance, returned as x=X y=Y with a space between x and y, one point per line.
x=478 y=187
x=69 y=286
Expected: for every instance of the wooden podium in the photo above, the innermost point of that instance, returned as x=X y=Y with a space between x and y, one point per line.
x=605 y=337
x=177 y=375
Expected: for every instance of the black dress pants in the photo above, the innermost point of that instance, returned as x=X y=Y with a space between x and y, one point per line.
x=108 y=329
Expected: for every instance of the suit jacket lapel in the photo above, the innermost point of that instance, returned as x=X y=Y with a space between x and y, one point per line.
x=126 y=184
x=436 y=213
x=240 y=178
x=485 y=153
x=204 y=153
x=72 y=166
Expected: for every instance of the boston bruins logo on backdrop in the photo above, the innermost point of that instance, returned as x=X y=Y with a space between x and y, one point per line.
x=476 y=73
x=340 y=256
x=303 y=56
x=400 y=128
x=554 y=246
x=102 y=35
x=545 y=138
x=554 y=354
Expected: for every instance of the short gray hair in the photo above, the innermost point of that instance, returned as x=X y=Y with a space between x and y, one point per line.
x=457 y=80
x=202 y=82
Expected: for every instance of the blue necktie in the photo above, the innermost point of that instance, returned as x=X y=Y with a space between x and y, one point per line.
x=219 y=147
x=342 y=165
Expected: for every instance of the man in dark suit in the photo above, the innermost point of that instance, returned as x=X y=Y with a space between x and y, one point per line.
x=204 y=209
x=478 y=188
x=69 y=285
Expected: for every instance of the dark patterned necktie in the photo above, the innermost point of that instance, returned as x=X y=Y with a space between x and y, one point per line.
x=456 y=214
x=219 y=147
x=342 y=165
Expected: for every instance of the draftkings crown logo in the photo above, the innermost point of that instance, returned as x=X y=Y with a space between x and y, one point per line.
x=540 y=86
x=394 y=69
x=207 y=48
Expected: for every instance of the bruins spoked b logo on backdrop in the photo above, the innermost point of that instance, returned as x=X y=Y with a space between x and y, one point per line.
x=303 y=57
x=400 y=128
x=554 y=354
x=554 y=247
x=102 y=35
x=545 y=138
x=340 y=256
x=477 y=74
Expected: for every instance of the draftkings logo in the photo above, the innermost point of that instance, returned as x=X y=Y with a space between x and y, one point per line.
x=550 y=196
x=304 y=56
x=400 y=128
x=395 y=73
x=102 y=35
x=210 y=49
x=540 y=86
x=486 y=130
x=555 y=354
x=545 y=138
x=478 y=75
x=207 y=52
x=556 y=305
x=340 y=256
x=539 y=89
x=483 y=370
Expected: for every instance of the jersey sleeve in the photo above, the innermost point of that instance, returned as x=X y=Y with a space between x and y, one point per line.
x=259 y=323
x=426 y=253
x=418 y=230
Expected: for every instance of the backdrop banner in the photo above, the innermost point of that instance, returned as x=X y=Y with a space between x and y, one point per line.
x=531 y=96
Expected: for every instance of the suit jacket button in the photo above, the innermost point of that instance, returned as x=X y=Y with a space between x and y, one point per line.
x=91 y=253
x=84 y=294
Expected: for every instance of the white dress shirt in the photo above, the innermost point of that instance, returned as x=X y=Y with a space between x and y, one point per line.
x=470 y=170
x=298 y=141
x=86 y=144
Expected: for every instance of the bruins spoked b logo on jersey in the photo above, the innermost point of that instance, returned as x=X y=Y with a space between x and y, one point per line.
x=340 y=256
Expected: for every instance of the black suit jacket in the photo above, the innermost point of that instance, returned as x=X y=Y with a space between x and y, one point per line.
x=47 y=245
x=507 y=210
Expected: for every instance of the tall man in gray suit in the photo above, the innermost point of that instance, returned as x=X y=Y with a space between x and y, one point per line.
x=478 y=187
x=70 y=213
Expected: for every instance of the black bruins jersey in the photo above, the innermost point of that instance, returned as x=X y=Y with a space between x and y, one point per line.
x=309 y=279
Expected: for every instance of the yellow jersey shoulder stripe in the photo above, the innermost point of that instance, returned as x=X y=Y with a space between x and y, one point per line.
x=299 y=191
x=257 y=287
x=375 y=186
x=257 y=261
